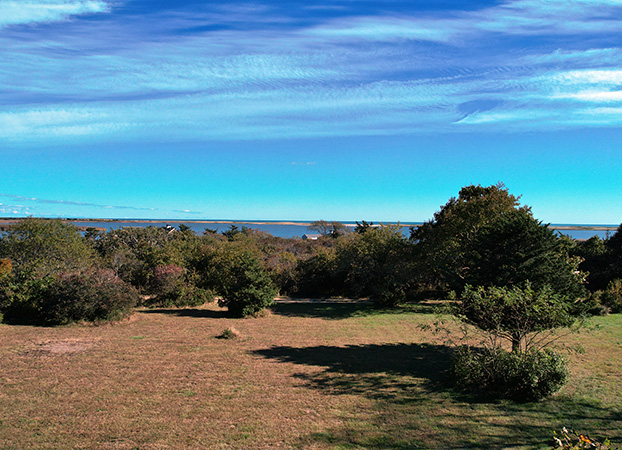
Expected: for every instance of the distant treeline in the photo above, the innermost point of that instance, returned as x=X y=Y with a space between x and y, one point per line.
x=483 y=237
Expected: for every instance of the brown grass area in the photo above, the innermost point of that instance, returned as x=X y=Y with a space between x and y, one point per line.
x=312 y=376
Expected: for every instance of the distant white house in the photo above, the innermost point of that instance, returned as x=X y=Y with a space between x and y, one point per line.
x=311 y=237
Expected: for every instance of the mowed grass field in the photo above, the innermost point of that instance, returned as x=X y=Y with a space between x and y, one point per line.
x=308 y=376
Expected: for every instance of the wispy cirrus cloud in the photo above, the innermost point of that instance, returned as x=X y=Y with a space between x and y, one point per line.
x=242 y=71
x=16 y=12
x=28 y=205
x=516 y=17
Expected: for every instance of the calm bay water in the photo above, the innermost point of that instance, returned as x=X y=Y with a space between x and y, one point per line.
x=296 y=229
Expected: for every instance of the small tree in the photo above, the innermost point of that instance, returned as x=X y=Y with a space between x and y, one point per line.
x=325 y=228
x=523 y=316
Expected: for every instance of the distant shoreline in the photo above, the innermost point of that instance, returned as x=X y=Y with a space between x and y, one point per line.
x=7 y=221
x=249 y=222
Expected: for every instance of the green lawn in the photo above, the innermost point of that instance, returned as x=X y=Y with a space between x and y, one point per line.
x=309 y=376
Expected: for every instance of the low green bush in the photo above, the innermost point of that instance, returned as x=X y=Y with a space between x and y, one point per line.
x=183 y=295
x=172 y=286
x=244 y=285
x=91 y=295
x=229 y=333
x=94 y=295
x=497 y=373
x=612 y=296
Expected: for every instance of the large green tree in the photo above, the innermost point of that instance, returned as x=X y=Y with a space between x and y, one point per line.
x=444 y=242
x=485 y=237
x=516 y=248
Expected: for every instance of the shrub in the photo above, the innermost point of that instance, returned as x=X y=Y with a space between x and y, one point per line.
x=229 y=333
x=527 y=376
x=612 y=296
x=173 y=287
x=243 y=283
x=44 y=247
x=93 y=295
x=19 y=297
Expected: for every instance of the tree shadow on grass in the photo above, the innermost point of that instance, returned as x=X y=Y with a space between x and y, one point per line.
x=189 y=312
x=420 y=363
x=413 y=406
x=336 y=311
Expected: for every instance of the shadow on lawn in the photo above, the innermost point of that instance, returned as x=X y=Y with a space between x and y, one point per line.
x=189 y=312
x=326 y=310
x=425 y=363
x=413 y=407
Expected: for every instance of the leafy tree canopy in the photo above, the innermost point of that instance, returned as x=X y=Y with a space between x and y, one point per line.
x=43 y=247
x=486 y=237
x=326 y=228
x=517 y=314
x=517 y=248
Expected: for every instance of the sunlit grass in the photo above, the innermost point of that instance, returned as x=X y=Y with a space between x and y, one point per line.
x=319 y=376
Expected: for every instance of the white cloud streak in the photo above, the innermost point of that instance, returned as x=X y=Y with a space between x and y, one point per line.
x=15 y=12
x=31 y=202
x=341 y=77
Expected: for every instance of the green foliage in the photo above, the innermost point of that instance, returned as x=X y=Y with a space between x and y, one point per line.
x=377 y=264
x=318 y=275
x=238 y=277
x=232 y=232
x=521 y=377
x=281 y=266
x=135 y=252
x=612 y=296
x=18 y=297
x=173 y=286
x=444 y=243
x=571 y=440
x=91 y=295
x=516 y=248
x=485 y=238
x=614 y=255
x=325 y=228
x=43 y=247
x=594 y=262
x=520 y=315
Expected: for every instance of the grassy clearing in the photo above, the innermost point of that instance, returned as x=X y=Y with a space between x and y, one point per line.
x=312 y=376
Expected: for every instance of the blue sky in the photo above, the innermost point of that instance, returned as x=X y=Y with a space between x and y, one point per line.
x=301 y=110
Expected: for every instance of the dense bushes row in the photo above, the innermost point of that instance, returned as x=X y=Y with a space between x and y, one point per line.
x=50 y=274
x=483 y=238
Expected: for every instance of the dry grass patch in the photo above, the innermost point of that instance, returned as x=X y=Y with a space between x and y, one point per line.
x=317 y=376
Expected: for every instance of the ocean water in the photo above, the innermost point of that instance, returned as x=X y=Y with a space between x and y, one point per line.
x=296 y=229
